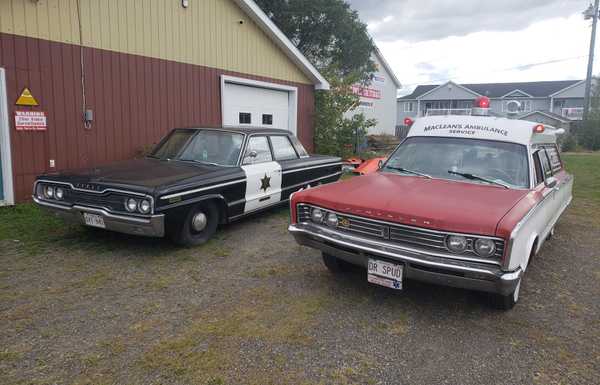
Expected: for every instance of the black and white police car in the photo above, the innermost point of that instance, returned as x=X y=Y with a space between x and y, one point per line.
x=194 y=180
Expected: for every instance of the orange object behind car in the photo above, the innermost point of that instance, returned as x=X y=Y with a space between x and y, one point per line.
x=369 y=166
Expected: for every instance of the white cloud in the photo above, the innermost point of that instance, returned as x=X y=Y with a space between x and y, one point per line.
x=495 y=56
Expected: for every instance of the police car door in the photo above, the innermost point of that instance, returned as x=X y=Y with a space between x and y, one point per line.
x=263 y=175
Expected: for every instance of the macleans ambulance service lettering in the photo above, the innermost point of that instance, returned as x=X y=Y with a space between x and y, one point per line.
x=468 y=129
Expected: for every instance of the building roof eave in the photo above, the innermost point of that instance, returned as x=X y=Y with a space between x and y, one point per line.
x=279 y=38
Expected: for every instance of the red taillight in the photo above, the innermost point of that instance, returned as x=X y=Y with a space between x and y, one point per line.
x=538 y=129
x=408 y=122
x=482 y=102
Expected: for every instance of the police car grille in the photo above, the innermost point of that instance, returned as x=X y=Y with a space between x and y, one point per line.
x=112 y=201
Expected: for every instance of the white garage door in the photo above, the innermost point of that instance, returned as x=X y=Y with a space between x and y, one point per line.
x=255 y=106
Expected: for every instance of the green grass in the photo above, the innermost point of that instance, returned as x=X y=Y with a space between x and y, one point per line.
x=586 y=168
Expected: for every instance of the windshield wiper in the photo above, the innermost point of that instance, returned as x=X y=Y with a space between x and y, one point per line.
x=199 y=161
x=477 y=177
x=402 y=169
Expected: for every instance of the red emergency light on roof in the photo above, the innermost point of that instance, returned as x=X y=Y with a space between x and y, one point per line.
x=408 y=122
x=482 y=102
x=539 y=128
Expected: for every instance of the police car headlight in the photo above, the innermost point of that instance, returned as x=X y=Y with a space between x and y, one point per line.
x=317 y=215
x=59 y=193
x=456 y=243
x=144 y=206
x=131 y=205
x=49 y=192
x=332 y=220
x=484 y=247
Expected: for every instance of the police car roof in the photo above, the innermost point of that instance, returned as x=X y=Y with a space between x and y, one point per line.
x=483 y=127
x=243 y=130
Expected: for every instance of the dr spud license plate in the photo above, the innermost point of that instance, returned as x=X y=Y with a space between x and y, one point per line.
x=385 y=273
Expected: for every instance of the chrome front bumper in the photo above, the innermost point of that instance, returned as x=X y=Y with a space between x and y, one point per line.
x=419 y=266
x=153 y=226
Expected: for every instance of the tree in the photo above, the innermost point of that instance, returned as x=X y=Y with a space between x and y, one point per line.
x=588 y=136
x=332 y=37
x=334 y=133
x=328 y=32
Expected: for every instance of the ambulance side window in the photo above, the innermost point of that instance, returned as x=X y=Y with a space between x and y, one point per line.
x=545 y=163
x=539 y=173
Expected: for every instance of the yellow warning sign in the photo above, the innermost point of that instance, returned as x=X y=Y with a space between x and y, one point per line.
x=26 y=99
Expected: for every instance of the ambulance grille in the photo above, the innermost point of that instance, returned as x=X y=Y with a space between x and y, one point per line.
x=419 y=238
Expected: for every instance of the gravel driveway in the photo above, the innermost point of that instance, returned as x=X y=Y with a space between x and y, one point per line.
x=252 y=307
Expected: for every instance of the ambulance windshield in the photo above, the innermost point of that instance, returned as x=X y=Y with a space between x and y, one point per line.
x=470 y=160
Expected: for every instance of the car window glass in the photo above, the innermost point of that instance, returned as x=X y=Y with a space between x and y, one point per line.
x=443 y=158
x=545 y=163
x=539 y=173
x=299 y=147
x=554 y=157
x=258 y=146
x=282 y=148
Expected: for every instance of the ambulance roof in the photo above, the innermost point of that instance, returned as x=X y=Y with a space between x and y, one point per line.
x=483 y=127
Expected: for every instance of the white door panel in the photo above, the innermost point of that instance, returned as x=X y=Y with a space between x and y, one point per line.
x=258 y=102
x=263 y=185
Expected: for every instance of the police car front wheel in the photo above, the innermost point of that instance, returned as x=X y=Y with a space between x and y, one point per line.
x=198 y=225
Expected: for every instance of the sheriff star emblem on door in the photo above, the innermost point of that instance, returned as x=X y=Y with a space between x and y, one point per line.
x=265 y=183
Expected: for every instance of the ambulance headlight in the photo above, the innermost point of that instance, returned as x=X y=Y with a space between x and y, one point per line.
x=332 y=220
x=317 y=215
x=485 y=247
x=145 y=206
x=456 y=243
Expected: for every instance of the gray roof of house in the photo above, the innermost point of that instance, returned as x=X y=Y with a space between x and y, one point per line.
x=497 y=90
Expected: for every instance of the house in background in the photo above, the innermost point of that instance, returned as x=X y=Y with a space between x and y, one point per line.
x=556 y=103
x=378 y=99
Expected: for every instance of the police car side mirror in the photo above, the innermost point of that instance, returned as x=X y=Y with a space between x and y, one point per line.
x=380 y=165
x=551 y=182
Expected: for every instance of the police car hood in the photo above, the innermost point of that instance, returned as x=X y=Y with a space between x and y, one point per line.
x=145 y=175
x=430 y=203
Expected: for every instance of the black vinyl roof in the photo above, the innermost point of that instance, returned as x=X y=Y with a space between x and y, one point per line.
x=497 y=90
x=242 y=130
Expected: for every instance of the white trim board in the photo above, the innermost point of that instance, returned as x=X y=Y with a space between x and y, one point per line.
x=279 y=38
x=292 y=98
x=5 y=151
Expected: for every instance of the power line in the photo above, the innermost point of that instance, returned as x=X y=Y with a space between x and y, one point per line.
x=519 y=67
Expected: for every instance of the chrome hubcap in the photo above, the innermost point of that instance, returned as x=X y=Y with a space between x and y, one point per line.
x=199 y=222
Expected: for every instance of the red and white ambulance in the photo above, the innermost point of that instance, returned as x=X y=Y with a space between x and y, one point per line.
x=463 y=201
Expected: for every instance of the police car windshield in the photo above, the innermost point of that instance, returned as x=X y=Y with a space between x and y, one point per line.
x=499 y=163
x=201 y=146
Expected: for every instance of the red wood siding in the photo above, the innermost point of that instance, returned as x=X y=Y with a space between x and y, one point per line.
x=136 y=100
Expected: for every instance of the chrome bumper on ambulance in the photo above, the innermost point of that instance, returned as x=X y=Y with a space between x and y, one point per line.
x=152 y=226
x=419 y=266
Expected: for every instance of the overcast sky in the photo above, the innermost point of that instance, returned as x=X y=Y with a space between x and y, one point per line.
x=472 y=41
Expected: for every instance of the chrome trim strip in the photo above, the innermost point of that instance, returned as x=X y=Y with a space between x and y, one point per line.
x=202 y=189
x=311 y=181
x=95 y=211
x=90 y=191
x=312 y=167
x=376 y=247
x=389 y=245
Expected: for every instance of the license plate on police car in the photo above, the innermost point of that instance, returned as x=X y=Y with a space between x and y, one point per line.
x=94 y=220
x=385 y=273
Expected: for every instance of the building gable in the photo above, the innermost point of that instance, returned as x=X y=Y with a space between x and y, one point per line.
x=517 y=94
x=449 y=91
x=577 y=90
